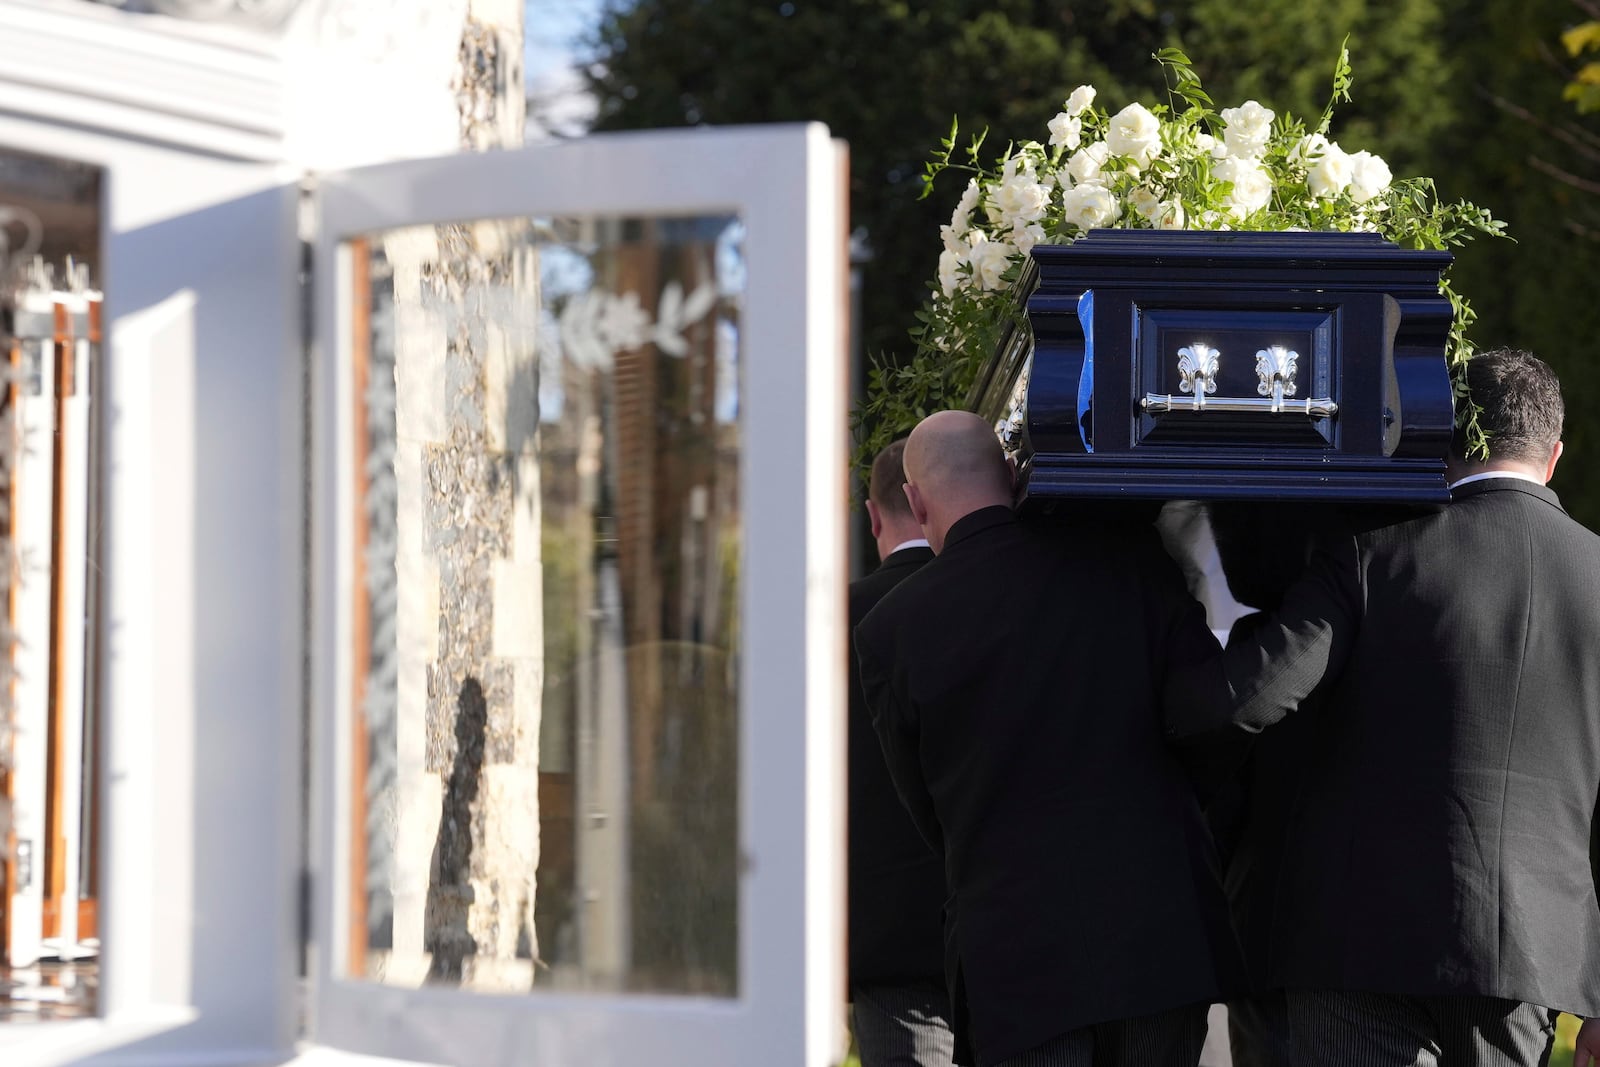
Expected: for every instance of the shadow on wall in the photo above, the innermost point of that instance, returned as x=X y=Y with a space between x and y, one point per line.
x=445 y=929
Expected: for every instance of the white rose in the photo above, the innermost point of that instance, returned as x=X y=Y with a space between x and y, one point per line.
x=1310 y=148
x=1079 y=101
x=1084 y=164
x=954 y=240
x=989 y=261
x=1136 y=134
x=950 y=277
x=1330 y=173
x=1021 y=200
x=1252 y=185
x=1248 y=127
x=1008 y=174
x=1065 y=131
x=1025 y=237
x=1089 y=205
x=1145 y=202
x=1369 y=176
x=961 y=218
x=1168 y=216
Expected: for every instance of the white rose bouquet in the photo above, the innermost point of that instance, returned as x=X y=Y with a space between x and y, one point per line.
x=1184 y=166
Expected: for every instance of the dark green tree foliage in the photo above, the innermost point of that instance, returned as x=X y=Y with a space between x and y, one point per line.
x=886 y=75
x=1512 y=138
x=1469 y=91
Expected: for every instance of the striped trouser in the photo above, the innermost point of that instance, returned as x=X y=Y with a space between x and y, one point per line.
x=1165 y=1039
x=902 y=1025
x=1342 y=1028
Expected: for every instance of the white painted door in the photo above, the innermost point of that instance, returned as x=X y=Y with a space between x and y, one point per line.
x=579 y=481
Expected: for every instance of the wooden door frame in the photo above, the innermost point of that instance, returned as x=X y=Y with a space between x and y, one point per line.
x=54 y=853
x=8 y=521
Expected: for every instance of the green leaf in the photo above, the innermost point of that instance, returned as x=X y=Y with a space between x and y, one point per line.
x=1582 y=38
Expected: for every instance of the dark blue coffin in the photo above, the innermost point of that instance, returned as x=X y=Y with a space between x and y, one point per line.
x=1226 y=366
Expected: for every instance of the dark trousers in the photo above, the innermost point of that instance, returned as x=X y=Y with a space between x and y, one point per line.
x=1340 y=1028
x=1258 y=1031
x=903 y=1025
x=1166 y=1039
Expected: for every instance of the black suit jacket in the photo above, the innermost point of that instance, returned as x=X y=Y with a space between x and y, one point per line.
x=896 y=881
x=1441 y=839
x=1014 y=683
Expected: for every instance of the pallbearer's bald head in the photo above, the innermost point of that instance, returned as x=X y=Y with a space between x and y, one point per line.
x=954 y=466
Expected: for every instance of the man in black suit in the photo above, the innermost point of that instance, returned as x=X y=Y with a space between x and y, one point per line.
x=900 y=1011
x=1438 y=905
x=1014 y=685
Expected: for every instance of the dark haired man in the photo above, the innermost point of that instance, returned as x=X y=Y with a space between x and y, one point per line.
x=901 y=1014
x=1437 y=904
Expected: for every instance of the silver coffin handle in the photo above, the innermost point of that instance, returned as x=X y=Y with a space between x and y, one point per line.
x=1316 y=407
x=1276 y=366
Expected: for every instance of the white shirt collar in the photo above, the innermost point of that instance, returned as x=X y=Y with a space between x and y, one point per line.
x=915 y=542
x=1486 y=475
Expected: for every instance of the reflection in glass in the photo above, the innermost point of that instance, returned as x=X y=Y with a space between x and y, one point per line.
x=50 y=366
x=547 y=644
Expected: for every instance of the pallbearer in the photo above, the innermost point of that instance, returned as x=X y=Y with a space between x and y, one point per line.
x=1014 y=683
x=1437 y=904
x=900 y=1011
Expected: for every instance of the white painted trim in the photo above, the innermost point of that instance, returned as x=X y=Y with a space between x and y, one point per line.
x=783 y=182
x=204 y=88
x=201 y=415
x=824 y=550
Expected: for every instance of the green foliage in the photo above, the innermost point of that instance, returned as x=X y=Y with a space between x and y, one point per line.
x=1566 y=1038
x=1515 y=143
x=1584 y=88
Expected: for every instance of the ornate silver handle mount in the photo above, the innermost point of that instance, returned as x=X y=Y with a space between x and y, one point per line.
x=1197 y=372
x=1276 y=367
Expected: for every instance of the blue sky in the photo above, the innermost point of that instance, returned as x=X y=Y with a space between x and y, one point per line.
x=552 y=30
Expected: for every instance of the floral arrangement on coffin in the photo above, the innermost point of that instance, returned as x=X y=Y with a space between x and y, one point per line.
x=1186 y=166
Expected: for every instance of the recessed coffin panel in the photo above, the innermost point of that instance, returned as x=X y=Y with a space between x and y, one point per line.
x=1256 y=366
x=1239 y=376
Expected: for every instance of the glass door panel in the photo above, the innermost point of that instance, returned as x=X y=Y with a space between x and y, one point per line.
x=545 y=785
x=582 y=458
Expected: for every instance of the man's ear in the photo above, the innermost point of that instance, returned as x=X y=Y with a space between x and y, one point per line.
x=1555 y=457
x=919 y=509
x=876 y=518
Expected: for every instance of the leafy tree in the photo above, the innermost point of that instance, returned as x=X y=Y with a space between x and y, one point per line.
x=885 y=74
